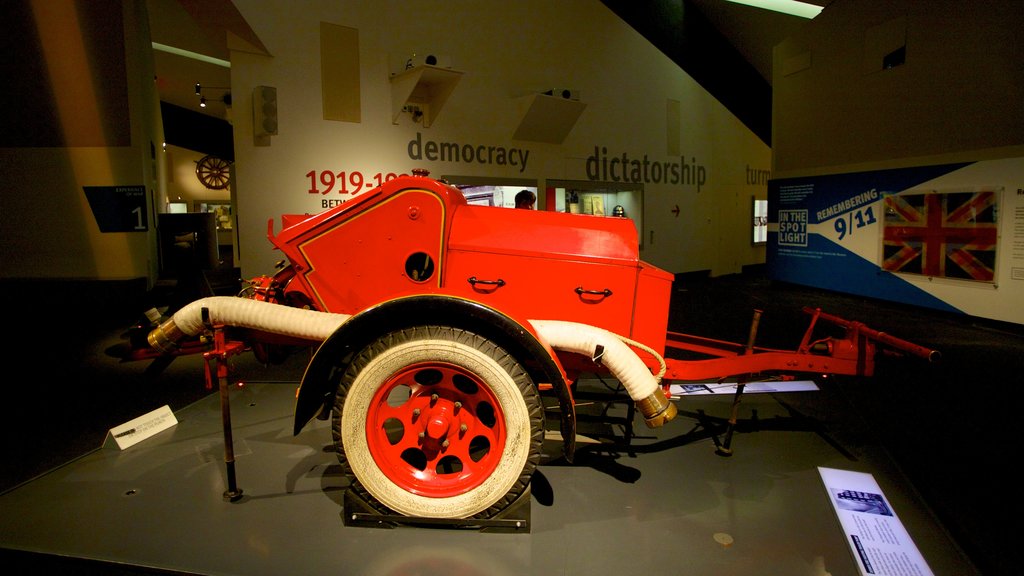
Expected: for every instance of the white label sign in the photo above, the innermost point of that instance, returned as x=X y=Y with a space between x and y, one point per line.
x=880 y=544
x=137 y=430
x=749 y=387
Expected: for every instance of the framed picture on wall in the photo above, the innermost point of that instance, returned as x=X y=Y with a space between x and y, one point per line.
x=221 y=211
x=942 y=234
x=760 y=222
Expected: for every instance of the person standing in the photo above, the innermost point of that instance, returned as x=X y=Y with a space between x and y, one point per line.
x=526 y=199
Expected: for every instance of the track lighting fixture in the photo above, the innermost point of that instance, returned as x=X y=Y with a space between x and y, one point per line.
x=226 y=98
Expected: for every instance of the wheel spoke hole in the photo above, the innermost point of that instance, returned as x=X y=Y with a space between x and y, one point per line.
x=465 y=385
x=485 y=413
x=428 y=377
x=449 y=465
x=415 y=458
x=479 y=446
x=394 y=430
x=398 y=395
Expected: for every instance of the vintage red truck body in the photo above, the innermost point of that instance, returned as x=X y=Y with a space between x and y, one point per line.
x=440 y=328
x=537 y=265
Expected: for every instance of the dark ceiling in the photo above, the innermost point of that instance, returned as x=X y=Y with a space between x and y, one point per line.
x=724 y=46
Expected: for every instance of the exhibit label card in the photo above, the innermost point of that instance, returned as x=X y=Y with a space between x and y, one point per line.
x=879 y=542
x=750 y=387
x=137 y=430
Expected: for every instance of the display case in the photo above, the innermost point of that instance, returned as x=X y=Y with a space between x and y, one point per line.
x=491 y=191
x=613 y=199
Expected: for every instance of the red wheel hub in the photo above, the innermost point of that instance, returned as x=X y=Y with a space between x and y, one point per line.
x=435 y=429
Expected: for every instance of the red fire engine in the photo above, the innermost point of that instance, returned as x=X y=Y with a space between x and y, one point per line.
x=440 y=325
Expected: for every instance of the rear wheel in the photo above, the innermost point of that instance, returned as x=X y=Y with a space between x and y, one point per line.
x=437 y=422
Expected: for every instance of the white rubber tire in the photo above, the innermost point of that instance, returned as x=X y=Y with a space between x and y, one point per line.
x=492 y=367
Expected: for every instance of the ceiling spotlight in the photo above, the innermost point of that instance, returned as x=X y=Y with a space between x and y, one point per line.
x=791 y=7
x=226 y=97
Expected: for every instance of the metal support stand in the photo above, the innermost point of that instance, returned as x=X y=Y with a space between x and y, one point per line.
x=217 y=366
x=714 y=426
x=513 y=519
x=725 y=448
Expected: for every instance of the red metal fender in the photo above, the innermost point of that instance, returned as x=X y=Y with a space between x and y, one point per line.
x=516 y=336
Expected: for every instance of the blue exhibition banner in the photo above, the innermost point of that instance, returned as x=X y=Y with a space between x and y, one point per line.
x=873 y=233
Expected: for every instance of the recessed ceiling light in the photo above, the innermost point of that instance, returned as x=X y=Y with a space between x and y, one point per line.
x=190 y=54
x=791 y=7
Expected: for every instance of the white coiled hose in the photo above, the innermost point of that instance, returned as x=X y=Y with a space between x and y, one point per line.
x=616 y=355
x=245 y=313
x=313 y=325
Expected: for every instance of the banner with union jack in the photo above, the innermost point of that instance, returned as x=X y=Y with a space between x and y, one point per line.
x=941 y=234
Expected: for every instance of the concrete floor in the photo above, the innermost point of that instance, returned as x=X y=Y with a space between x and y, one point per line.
x=159 y=504
x=934 y=438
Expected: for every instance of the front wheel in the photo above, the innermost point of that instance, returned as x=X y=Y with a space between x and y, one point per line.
x=437 y=422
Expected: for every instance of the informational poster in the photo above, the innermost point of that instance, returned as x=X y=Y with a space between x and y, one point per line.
x=118 y=208
x=946 y=236
x=878 y=540
x=1017 y=238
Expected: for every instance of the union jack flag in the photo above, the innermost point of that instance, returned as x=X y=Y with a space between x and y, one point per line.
x=950 y=235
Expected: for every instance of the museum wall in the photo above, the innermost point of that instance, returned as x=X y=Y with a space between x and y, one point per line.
x=845 y=98
x=636 y=103
x=79 y=112
x=898 y=155
x=637 y=107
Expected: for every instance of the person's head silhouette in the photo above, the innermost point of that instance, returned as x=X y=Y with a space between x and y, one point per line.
x=525 y=199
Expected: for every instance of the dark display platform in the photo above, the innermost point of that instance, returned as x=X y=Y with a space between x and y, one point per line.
x=935 y=436
x=158 y=505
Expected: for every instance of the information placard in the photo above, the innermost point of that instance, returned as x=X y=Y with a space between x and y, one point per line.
x=145 y=426
x=118 y=208
x=880 y=544
x=766 y=387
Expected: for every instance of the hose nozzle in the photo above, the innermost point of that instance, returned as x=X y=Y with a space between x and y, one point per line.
x=657 y=409
x=164 y=338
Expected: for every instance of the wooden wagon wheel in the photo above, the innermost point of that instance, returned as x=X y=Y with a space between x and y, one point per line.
x=213 y=172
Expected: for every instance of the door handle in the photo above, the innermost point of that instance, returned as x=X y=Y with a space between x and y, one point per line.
x=606 y=292
x=473 y=281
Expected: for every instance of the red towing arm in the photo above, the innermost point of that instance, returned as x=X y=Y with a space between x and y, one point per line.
x=851 y=354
